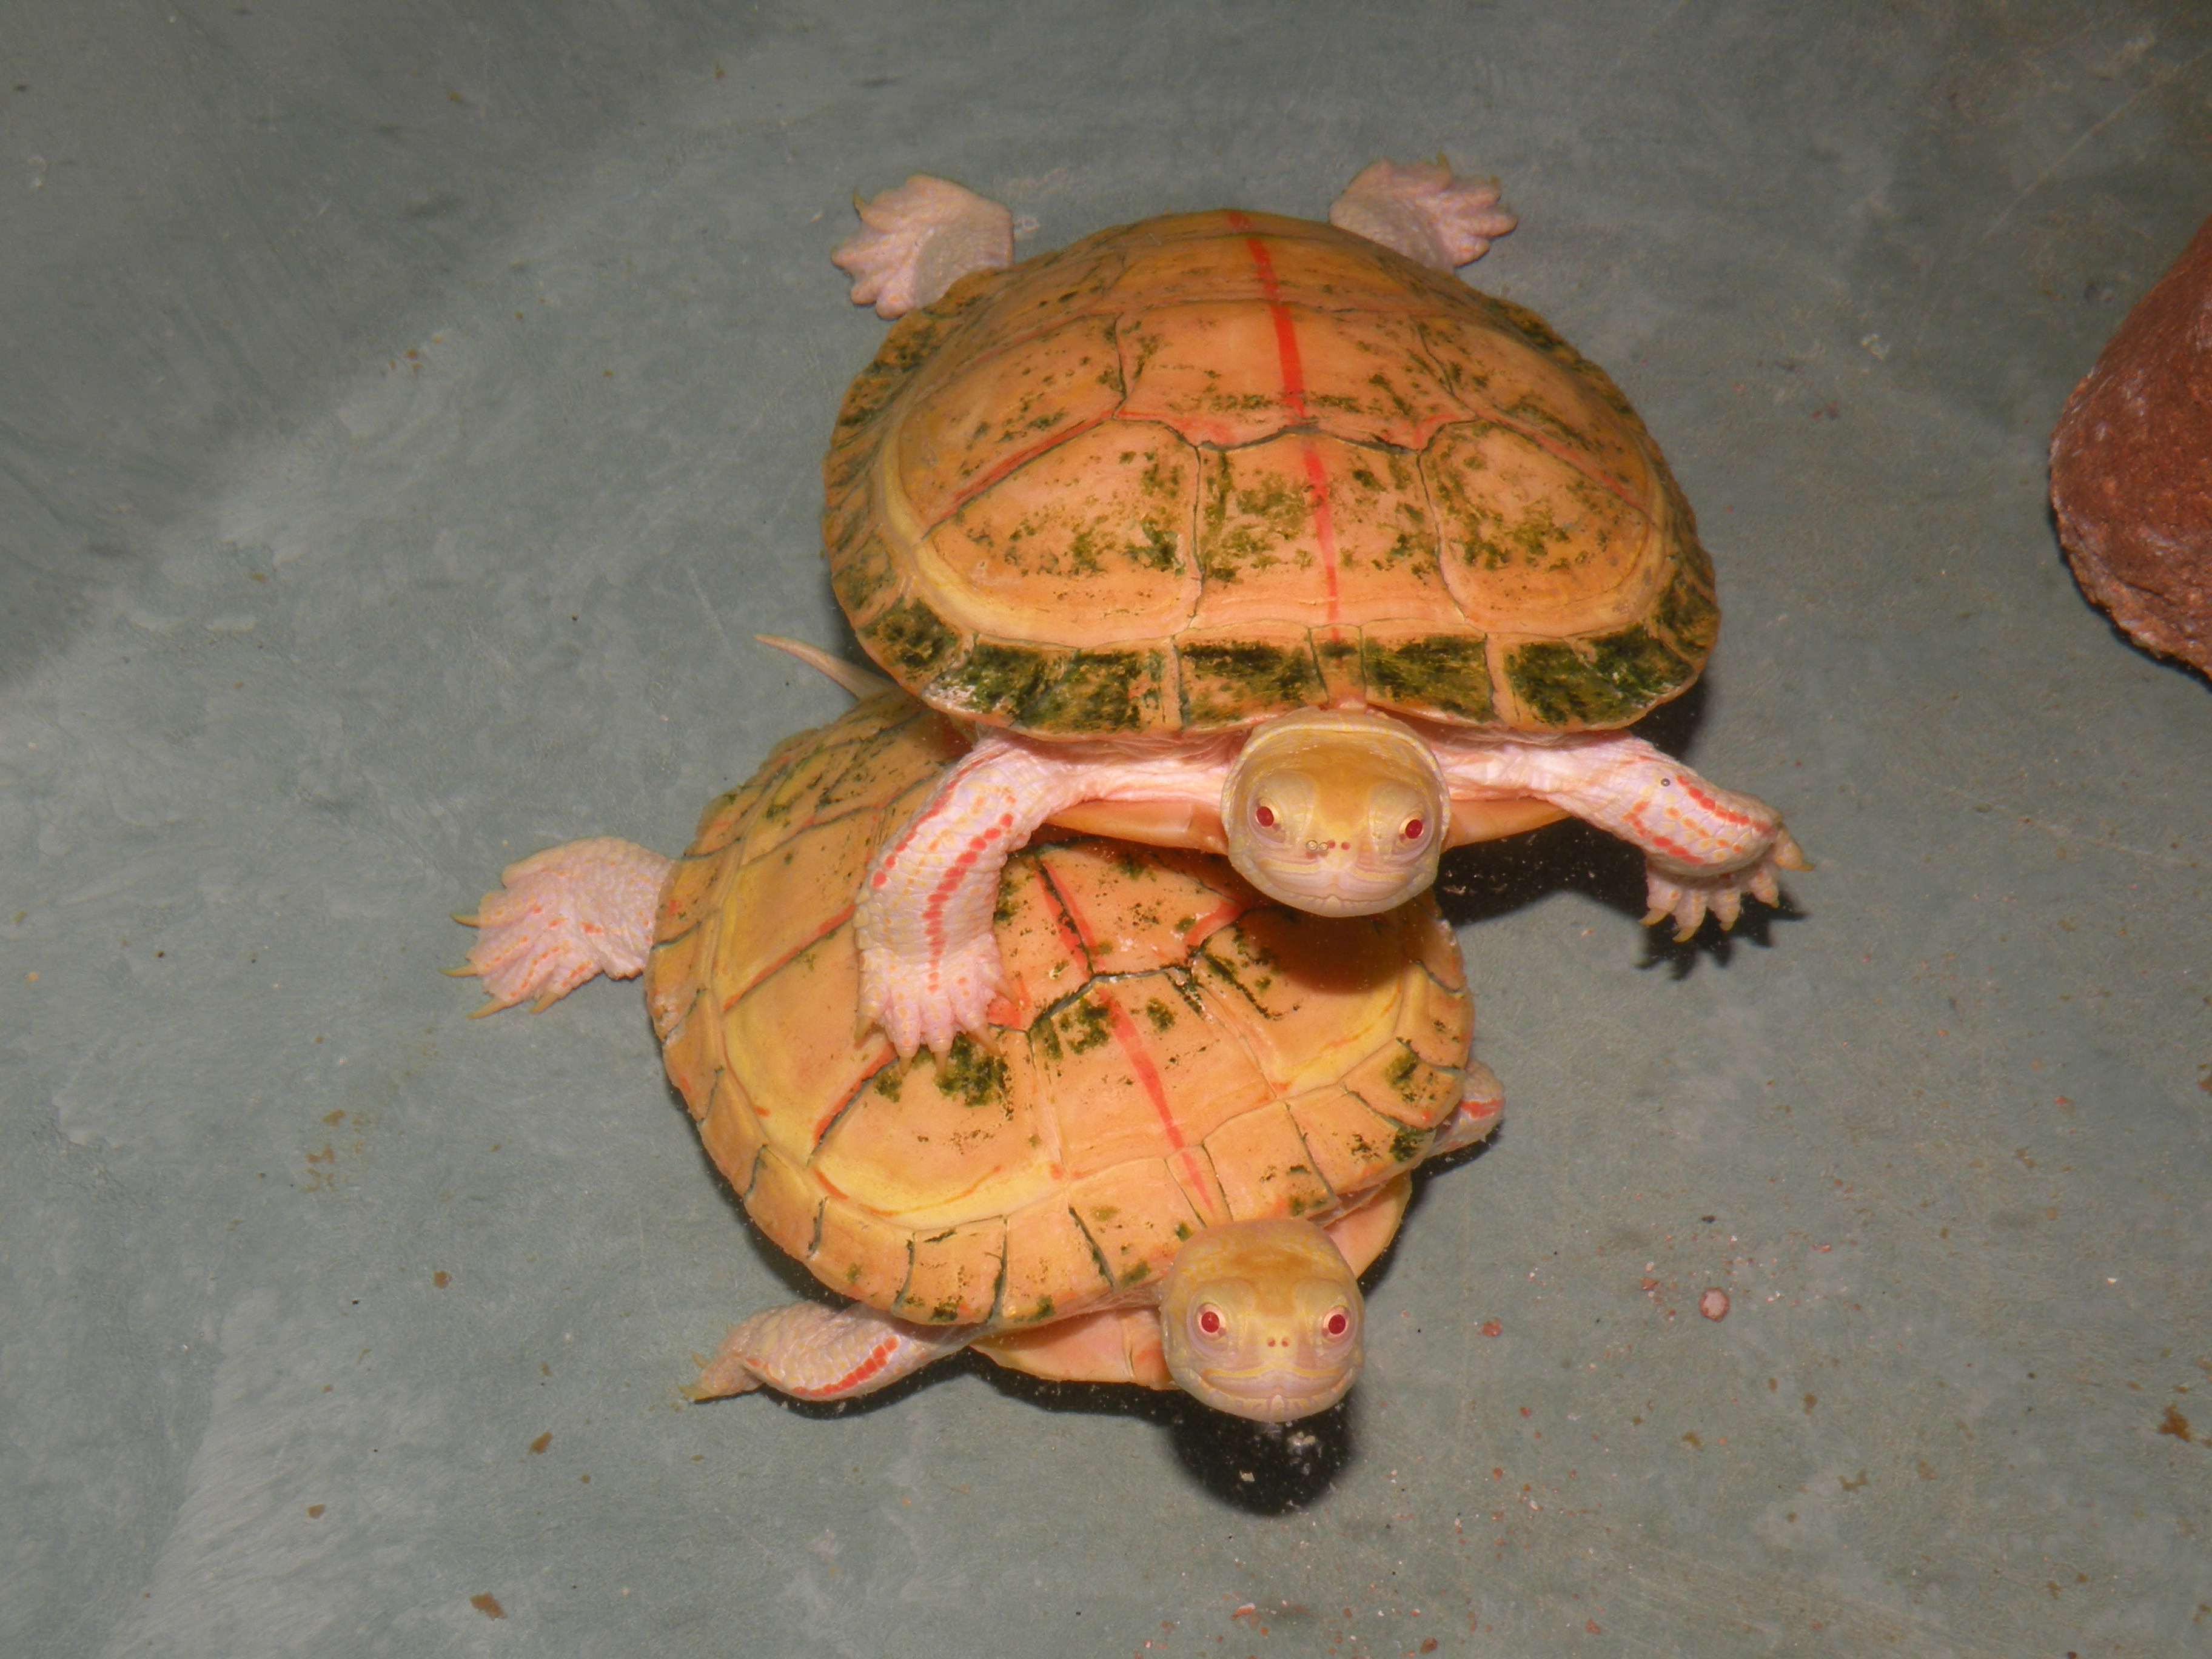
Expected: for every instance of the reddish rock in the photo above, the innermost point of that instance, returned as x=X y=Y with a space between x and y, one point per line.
x=2131 y=467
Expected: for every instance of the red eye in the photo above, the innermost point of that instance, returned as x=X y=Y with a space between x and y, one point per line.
x=1414 y=827
x=1264 y=816
x=1337 y=1323
x=1209 y=1321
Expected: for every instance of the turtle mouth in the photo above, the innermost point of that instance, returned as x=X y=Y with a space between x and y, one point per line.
x=1334 y=889
x=1273 y=1394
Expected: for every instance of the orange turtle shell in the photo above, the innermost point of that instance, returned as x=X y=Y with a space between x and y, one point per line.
x=1190 y=473
x=1176 y=1050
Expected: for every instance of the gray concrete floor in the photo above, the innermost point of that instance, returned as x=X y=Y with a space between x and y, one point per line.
x=408 y=411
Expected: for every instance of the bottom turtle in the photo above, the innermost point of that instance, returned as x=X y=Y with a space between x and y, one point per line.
x=1190 y=1132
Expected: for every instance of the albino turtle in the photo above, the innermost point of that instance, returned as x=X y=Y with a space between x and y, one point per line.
x=1189 y=1135
x=1275 y=535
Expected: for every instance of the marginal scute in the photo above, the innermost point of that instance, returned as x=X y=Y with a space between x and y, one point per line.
x=693 y=1057
x=1051 y=1269
x=783 y=1202
x=863 y=580
x=909 y=640
x=860 y=1253
x=1397 y=1082
x=1339 y=439
x=732 y=1133
x=1589 y=685
x=953 y=1279
x=1412 y=669
x=1136 y=1216
x=1229 y=674
x=1352 y=1146
x=1042 y=689
x=1264 y=1168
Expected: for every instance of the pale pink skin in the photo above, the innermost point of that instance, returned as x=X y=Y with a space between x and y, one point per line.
x=1425 y=211
x=918 y=240
x=564 y=915
x=929 y=961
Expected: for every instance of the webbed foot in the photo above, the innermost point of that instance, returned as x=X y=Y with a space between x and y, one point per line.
x=562 y=915
x=1688 y=899
x=930 y=1001
x=1424 y=211
x=920 y=239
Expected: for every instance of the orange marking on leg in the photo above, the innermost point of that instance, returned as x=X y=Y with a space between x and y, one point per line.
x=1651 y=839
x=1724 y=814
x=877 y=1357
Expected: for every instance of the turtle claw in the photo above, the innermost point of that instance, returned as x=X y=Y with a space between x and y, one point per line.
x=1688 y=899
x=929 y=1003
x=919 y=239
x=1424 y=211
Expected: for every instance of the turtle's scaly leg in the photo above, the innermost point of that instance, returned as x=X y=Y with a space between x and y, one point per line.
x=1705 y=848
x=919 y=239
x=929 y=963
x=812 y=1352
x=1424 y=211
x=560 y=917
x=1482 y=1103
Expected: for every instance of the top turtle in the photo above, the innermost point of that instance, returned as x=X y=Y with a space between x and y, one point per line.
x=1344 y=558
x=1191 y=473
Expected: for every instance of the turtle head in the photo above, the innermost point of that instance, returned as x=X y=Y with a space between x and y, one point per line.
x=1340 y=811
x=1261 y=1320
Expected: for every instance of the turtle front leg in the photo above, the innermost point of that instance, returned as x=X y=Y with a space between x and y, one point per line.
x=1424 y=211
x=812 y=1352
x=929 y=961
x=1705 y=848
x=919 y=239
x=562 y=915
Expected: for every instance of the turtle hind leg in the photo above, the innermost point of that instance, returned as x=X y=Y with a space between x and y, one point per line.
x=562 y=915
x=812 y=1352
x=919 y=239
x=1424 y=211
x=1482 y=1103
